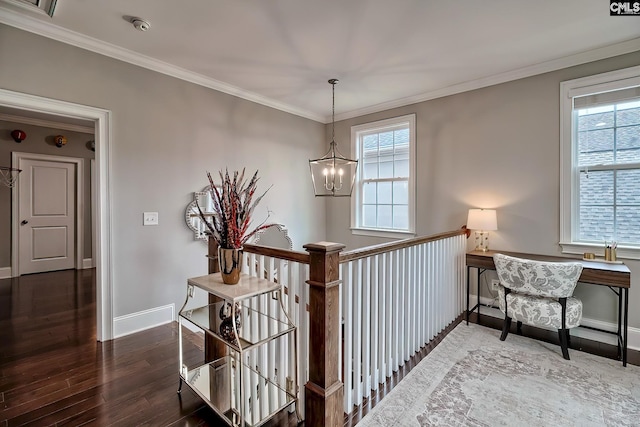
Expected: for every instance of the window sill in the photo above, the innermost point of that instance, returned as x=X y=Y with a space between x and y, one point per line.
x=390 y=234
x=623 y=252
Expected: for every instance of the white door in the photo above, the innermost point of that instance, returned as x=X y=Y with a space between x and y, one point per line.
x=47 y=217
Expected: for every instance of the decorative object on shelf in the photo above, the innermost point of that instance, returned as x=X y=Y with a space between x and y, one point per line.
x=230 y=260
x=18 y=135
x=610 y=251
x=482 y=221
x=333 y=174
x=60 y=140
x=233 y=204
x=9 y=176
x=226 y=326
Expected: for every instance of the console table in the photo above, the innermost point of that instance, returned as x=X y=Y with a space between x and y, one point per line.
x=244 y=387
x=616 y=277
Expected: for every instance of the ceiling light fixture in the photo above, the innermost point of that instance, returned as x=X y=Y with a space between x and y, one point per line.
x=333 y=174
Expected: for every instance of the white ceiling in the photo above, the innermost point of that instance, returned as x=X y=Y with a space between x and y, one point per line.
x=386 y=53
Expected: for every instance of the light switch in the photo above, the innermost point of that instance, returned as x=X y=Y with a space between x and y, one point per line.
x=150 y=218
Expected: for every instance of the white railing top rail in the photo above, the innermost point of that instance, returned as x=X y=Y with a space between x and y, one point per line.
x=392 y=246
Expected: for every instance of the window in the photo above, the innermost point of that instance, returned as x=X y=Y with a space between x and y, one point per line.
x=600 y=162
x=383 y=203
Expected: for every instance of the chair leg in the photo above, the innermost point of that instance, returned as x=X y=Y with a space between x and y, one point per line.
x=562 y=333
x=568 y=338
x=505 y=328
x=519 y=328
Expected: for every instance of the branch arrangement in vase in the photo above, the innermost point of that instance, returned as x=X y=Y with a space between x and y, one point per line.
x=234 y=201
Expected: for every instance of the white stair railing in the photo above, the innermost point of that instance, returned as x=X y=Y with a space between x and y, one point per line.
x=395 y=299
x=277 y=357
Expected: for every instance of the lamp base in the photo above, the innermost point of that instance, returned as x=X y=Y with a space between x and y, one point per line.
x=482 y=241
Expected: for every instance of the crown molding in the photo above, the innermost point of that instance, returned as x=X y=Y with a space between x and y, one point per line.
x=47 y=123
x=46 y=29
x=622 y=48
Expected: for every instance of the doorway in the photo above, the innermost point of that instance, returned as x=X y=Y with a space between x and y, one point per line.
x=24 y=103
x=49 y=223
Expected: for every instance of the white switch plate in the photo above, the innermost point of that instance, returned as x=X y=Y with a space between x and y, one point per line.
x=150 y=218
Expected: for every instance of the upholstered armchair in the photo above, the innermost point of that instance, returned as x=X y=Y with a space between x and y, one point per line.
x=539 y=293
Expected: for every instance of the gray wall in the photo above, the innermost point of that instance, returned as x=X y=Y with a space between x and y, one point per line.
x=40 y=140
x=166 y=134
x=496 y=147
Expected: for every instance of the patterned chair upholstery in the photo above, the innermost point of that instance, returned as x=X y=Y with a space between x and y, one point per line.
x=539 y=293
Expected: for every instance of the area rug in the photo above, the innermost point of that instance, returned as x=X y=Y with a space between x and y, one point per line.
x=473 y=379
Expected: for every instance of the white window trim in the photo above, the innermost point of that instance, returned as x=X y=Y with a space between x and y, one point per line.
x=355 y=199
x=613 y=80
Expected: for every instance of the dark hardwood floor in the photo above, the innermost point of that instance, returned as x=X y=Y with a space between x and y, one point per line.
x=54 y=373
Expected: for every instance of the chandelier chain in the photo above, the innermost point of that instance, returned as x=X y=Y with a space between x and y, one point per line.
x=333 y=108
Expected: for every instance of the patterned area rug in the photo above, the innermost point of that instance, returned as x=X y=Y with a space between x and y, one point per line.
x=473 y=379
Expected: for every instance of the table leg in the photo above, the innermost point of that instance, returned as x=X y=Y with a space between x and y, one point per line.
x=467 y=313
x=626 y=328
x=478 y=292
x=620 y=337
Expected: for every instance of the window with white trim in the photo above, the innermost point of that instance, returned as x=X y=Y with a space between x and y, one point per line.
x=383 y=203
x=600 y=158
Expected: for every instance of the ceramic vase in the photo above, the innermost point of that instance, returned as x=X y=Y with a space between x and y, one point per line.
x=230 y=265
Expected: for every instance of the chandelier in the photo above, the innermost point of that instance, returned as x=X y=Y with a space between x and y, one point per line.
x=333 y=175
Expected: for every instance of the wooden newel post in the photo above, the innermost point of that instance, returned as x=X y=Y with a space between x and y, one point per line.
x=324 y=391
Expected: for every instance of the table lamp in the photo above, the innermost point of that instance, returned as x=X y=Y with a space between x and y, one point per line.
x=482 y=221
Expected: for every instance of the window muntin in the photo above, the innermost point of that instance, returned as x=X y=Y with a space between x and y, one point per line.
x=384 y=199
x=608 y=162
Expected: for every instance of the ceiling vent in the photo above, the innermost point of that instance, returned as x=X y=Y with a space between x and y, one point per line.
x=40 y=6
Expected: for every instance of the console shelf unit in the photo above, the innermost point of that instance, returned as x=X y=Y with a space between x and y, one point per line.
x=223 y=383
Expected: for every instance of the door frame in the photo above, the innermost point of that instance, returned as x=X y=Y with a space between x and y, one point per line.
x=103 y=230
x=79 y=207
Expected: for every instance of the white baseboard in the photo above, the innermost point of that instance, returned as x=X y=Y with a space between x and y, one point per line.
x=634 y=333
x=146 y=319
x=87 y=263
x=5 y=273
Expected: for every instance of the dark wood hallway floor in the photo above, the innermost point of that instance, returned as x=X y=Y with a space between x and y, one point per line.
x=54 y=373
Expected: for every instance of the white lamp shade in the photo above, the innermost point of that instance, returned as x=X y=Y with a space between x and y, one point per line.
x=482 y=219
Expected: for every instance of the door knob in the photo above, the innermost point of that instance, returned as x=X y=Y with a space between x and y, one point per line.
x=24 y=222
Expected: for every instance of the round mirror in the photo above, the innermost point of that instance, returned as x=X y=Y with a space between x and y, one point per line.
x=192 y=217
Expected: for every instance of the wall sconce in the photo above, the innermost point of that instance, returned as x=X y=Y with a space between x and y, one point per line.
x=18 y=135
x=60 y=140
x=482 y=221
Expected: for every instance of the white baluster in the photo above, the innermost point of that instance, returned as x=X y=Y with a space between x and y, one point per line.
x=366 y=326
x=375 y=321
x=357 y=331
x=388 y=314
